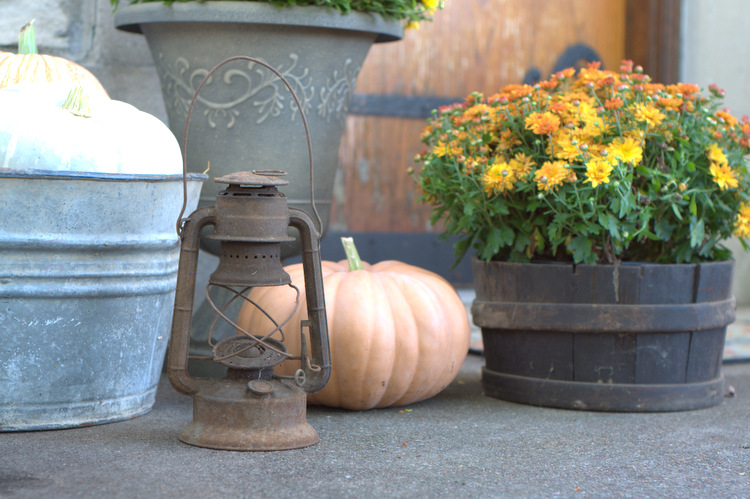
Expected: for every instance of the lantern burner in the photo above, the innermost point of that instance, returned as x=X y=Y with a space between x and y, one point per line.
x=245 y=352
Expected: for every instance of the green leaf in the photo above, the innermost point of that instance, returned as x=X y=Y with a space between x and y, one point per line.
x=603 y=220
x=581 y=248
x=507 y=235
x=494 y=240
x=693 y=207
x=521 y=243
x=613 y=222
x=697 y=232
x=676 y=211
x=663 y=229
x=469 y=209
x=461 y=247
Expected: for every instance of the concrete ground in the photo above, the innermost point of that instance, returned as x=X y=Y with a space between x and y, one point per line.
x=460 y=443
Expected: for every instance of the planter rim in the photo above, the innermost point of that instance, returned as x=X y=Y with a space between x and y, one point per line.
x=602 y=265
x=130 y=17
x=96 y=176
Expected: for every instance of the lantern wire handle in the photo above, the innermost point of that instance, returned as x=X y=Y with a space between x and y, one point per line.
x=180 y=220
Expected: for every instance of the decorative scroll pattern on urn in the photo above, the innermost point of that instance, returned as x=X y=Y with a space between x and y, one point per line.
x=224 y=97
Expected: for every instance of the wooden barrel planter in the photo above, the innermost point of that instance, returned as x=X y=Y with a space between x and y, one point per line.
x=635 y=337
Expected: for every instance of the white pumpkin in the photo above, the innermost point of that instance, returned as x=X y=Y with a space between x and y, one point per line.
x=36 y=133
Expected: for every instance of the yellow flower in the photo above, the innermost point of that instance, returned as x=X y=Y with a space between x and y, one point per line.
x=550 y=175
x=542 y=123
x=597 y=172
x=742 y=225
x=412 y=25
x=441 y=149
x=716 y=154
x=648 y=113
x=499 y=178
x=431 y=4
x=723 y=176
x=586 y=113
x=447 y=149
x=521 y=164
x=626 y=150
x=563 y=146
x=594 y=127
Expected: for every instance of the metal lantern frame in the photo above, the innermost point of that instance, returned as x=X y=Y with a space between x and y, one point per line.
x=250 y=408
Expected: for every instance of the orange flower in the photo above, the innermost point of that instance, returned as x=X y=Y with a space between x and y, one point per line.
x=522 y=164
x=727 y=117
x=515 y=92
x=613 y=103
x=507 y=140
x=549 y=84
x=685 y=89
x=542 y=123
x=550 y=175
x=670 y=103
x=565 y=73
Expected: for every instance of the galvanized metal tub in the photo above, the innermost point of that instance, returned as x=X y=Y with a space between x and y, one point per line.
x=88 y=269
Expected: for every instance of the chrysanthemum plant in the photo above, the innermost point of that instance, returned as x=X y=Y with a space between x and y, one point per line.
x=410 y=11
x=591 y=166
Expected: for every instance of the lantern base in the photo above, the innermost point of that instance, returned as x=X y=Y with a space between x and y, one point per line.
x=259 y=415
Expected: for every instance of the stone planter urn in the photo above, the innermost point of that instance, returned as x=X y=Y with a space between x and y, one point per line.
x=245 y=118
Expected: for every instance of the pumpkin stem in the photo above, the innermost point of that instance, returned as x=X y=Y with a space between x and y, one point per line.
x=77 y=103
x=27 y=39
x=352 y=255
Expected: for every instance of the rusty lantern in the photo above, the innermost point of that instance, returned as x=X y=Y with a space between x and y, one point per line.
x=250 y=408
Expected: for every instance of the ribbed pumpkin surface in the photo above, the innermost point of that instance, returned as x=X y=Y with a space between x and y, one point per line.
x=398 y=334
x=18 y=69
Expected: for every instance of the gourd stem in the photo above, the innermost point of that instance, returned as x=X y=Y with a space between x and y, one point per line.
x=27 y=40
x=352 y=255
x=77 y=103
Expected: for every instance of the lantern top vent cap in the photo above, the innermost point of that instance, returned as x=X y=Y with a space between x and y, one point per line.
x=255 y=178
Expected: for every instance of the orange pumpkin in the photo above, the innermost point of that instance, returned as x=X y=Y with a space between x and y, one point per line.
x=29 y=67
x=398 y=333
